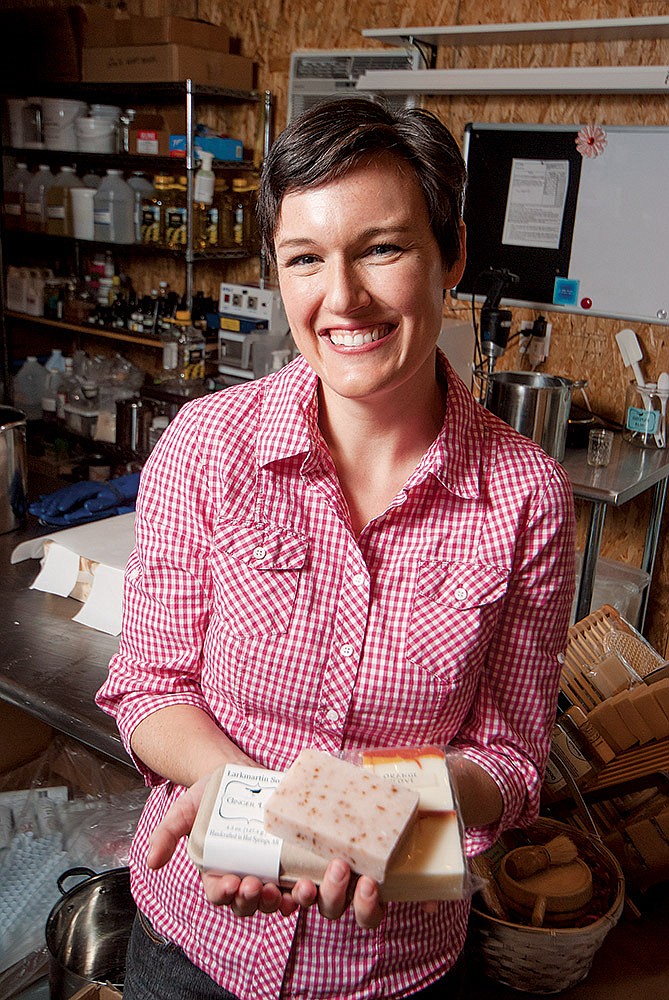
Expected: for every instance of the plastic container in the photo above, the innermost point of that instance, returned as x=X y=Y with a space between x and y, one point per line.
x=153 y=209
x=28 y=388
x=35 y=198
x=176 y=215
x=113 y=210
x=59 y=220
x=82 y=208
x=96 y=135
x=646 y=415
x=14 y=201
x=144 y=190
x=55 y=368
x=617 y=584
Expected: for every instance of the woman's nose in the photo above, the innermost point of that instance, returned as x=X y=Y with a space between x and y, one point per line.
x=345 y=289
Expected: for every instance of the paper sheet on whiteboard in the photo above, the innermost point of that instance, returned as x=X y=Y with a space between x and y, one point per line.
x=535 y=203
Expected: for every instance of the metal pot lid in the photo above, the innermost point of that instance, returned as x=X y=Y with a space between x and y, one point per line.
x=11 y=417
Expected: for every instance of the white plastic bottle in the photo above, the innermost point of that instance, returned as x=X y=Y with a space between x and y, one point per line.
x=35 y=198
x=204 y=179
x=28 y=387
x=113 y=210
x=55 y=368
x=14 y=197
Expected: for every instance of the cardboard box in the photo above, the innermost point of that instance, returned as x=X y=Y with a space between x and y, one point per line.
x=23 y=737
x=104 y=29
x=150 y=133
x=166 y=64
x=221 y=149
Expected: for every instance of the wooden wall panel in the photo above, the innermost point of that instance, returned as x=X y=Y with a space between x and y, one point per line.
x=269 y=30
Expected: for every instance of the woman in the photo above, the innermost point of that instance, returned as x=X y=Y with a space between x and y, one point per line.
x=350 y=552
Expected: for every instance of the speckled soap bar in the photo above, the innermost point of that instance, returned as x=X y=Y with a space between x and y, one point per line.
x=337 y=810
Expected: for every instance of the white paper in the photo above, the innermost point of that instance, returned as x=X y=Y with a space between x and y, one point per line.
x=535 y=203
x=104 y=608
x=59 y=572
x=107 y=544
x=236 y=840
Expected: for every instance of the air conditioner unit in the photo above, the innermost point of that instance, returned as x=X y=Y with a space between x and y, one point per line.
x=326 y=74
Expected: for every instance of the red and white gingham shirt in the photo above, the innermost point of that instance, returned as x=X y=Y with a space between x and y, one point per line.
x=249 y=596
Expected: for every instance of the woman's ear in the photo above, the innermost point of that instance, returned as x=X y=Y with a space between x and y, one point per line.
x=453 y=273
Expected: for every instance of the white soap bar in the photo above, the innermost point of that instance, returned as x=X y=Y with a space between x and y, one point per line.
x=337 y=810
x=430 y=863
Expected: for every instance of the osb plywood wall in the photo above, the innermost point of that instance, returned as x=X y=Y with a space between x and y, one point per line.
x=269 y=30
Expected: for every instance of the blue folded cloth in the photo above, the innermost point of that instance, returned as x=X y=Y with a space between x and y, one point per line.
x=87 y=501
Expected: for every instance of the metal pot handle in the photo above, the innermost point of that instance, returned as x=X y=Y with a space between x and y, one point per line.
x=70 y=873
x=579 y=383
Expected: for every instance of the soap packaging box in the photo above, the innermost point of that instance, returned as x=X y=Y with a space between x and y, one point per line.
x=390 y=815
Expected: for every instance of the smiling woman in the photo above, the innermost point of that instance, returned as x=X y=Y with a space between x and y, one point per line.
x=348 y=553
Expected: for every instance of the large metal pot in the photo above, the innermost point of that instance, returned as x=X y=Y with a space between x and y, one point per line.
x=13 y=465
x=535 y=404
x=87 y=931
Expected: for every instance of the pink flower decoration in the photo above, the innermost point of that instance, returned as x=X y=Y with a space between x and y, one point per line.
x=591 y=140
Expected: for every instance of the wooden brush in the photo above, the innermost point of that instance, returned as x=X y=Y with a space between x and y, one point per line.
x=526 y=861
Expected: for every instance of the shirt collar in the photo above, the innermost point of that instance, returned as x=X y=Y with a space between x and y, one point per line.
x=289 y=426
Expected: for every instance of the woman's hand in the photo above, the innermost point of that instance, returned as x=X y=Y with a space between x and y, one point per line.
x=248 y=895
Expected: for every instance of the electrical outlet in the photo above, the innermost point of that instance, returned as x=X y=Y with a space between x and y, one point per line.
x=535 y=348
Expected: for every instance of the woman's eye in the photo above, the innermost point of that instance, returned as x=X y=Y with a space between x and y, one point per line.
x=385 y=250
x=302 y=260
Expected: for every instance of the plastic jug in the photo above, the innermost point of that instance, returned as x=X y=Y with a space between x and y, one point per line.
x=35 y=198
x=59 y=204
x=14 y=197
x=113 y=210
x=28 y=388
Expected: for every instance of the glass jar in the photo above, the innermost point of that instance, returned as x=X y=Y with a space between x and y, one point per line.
x=645 y=415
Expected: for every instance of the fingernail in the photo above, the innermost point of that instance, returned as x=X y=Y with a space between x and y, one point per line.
x=366 y=888
x=338 y=870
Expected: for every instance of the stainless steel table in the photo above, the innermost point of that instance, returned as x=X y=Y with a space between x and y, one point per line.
x=50 y=666
x=631 y=472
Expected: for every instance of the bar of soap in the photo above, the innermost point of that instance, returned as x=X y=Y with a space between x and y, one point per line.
x=337 y=810
x=430 y=862
x=291 y=863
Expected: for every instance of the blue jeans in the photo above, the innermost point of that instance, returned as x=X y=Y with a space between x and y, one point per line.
x=156 y=969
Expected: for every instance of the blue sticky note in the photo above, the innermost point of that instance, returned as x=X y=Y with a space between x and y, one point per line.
x=565 y=292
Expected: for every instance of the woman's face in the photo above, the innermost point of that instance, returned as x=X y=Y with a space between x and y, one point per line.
x=362 y=280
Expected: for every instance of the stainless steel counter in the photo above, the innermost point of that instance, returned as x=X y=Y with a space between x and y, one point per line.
x=631 y=472
x=51 y=666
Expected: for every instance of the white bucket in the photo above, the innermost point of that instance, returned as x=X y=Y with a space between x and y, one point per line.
x=96 y=135
x=61 y=111
x=60 y=137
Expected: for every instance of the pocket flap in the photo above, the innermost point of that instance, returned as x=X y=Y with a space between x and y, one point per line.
x=263 y=546
x=462 y=585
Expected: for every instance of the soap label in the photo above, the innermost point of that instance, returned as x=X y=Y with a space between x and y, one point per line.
x=236 y=840
x=642 y=421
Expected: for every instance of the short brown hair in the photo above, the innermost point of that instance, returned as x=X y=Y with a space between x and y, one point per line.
x=333 y=137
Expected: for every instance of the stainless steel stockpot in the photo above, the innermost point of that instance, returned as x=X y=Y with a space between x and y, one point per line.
x=87 y=931
x=535 y=404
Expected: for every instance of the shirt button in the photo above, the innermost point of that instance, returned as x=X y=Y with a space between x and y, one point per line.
x=332 y=715
x=259 y=552
x=347 y=649
x=560 y=657
x=460 y=594
x=359 y=579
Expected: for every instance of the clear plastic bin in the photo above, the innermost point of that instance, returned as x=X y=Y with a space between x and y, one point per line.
x=618 y=584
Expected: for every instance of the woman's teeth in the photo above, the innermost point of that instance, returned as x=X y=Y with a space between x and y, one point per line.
x=357 y=339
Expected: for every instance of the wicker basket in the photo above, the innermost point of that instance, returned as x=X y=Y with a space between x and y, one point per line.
x=549 y=959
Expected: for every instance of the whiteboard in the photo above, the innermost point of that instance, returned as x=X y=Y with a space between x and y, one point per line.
x=593 y=240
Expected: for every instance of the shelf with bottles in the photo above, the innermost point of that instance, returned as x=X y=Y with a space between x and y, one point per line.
x=128 y=162
x=201 y=219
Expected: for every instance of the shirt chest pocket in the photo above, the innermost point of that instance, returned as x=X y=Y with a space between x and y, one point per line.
x=258 y=575
x=453 y=617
